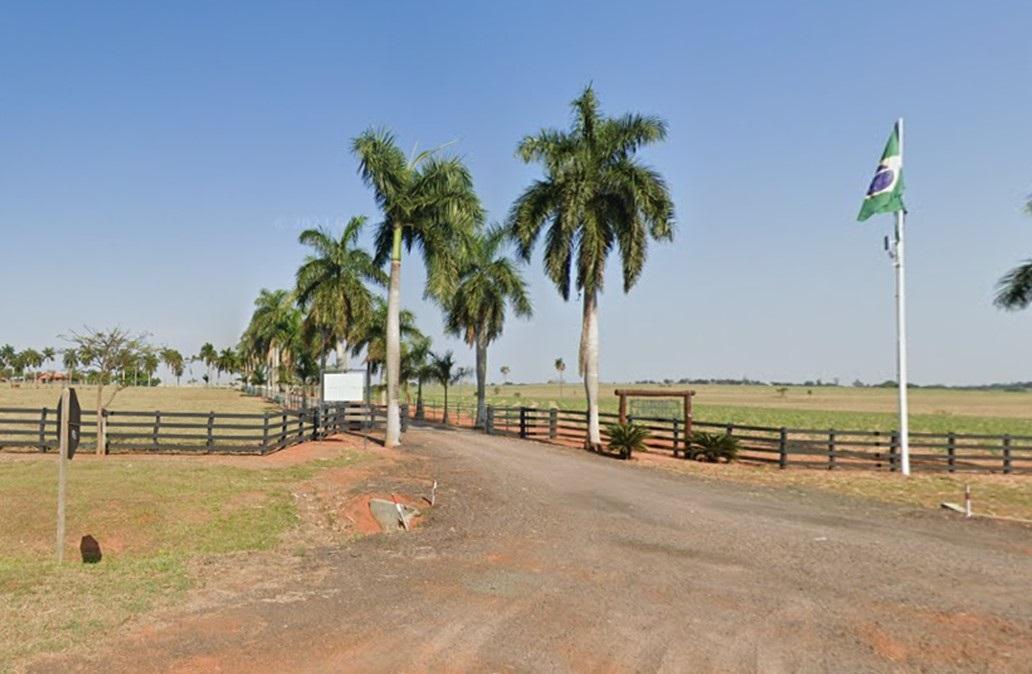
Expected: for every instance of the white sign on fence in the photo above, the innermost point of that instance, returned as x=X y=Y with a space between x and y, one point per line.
x=345 y=386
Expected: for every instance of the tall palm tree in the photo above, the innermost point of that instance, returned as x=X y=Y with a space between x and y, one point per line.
x=594 y=196
x=173 y=360
x=208 y=356
x=70 y=359
x=48 y=354
x=446 y=374
x=331 y=284
x=275 y=323
x=488 y=283
x=372 y=337
x=415 y=364
x=427 y=202
x=1014 y=290
x=560 y=367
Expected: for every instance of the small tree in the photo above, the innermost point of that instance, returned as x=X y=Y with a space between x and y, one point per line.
x=70 y=358
x=106 y=351
x=207 y=355
x=505 y=374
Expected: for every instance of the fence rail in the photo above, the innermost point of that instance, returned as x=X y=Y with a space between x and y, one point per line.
x=189 y=432
x=828 y=449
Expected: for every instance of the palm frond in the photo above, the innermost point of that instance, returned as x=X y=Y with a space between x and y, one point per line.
x=1014 y=290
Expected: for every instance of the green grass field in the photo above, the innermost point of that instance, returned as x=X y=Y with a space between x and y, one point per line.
x=154 y=517
x=932 y=410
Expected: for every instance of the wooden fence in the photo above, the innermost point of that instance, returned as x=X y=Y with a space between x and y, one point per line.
x=828 y=449
x=189 y=432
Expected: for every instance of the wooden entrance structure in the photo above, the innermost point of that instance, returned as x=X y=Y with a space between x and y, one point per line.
x=685 y=395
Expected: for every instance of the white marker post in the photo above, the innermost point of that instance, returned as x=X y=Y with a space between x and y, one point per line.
x=901 y=331
x=62 y=471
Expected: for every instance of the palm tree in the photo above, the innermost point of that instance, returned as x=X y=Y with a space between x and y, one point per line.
x=70 y=358
x=415 y=364
x=29 y=358
x=331 y=285
x=48 y=354
x=445 y=372
x=428 y=202
x=173 y=360
x=7 y=357
x=207 y=355
x=226 y=361
x=560 y=367
x=488 y=283
x=275 y=323
x=372 y=337
x=150 y=362
x=1014 y=290
x=505 y=373
x=595 y=196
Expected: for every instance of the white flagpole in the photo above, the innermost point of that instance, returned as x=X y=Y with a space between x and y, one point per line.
x=901 y=330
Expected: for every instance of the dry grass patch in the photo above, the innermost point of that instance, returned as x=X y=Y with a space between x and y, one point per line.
x=994 y=495
x=164 y=398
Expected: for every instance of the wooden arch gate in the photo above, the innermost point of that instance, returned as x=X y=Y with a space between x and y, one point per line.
x=684 y=394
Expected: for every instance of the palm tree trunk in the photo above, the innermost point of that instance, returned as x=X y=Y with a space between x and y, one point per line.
x=481 y=382
x=589 y=365
x=342 y=355
x=393 y=436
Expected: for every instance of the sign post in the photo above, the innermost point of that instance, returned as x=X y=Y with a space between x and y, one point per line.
x=69 y=416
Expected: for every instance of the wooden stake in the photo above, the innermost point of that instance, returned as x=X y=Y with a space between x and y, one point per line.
x=62 y=470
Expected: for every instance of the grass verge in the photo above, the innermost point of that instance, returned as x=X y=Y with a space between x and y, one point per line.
x=1007 y=496
x=152 y=518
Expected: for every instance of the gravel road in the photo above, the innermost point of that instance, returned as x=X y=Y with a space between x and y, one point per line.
x=541 y=559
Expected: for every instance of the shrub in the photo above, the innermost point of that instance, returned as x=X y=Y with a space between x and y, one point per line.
x=713 y=447
x=627 y=438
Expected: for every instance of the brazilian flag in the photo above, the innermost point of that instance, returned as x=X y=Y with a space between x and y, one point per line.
x=885 y=195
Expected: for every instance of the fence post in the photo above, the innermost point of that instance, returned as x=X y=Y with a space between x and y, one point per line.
x=283 y=433
x=676 y=427
x=951 y=450
x=102 y=432
x=211 y=428
x=157 y=425
x=1007 y=453
x=300 y=426
x=553 y=423
x=893 y=449
x=404 y=418
x=315 y=422
x=489 y=420
x=831 y=449
x=782 y=447
x=523 y=422
x=43 y=430
x=265 y=433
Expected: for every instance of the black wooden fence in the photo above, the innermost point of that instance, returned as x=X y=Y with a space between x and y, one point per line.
x=829 y=449
x=189 y=432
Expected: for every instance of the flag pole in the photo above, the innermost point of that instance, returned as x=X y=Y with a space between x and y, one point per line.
x=901 y=329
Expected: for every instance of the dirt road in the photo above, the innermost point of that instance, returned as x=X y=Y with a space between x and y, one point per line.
x=550 y=560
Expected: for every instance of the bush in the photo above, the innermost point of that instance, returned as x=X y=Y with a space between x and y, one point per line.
x=713 y=447
x=627 y=438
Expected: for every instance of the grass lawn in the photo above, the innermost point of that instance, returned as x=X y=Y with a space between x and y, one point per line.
x=932 y=410
x=164 y=398
x=153 y=516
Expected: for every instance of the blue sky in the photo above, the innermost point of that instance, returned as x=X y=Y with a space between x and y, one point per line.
x=157 y=163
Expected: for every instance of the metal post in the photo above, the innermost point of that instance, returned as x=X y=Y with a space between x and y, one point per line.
x=901 y=330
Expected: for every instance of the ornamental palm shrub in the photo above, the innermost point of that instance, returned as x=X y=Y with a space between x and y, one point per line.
x=713 y=447
x=627 y=438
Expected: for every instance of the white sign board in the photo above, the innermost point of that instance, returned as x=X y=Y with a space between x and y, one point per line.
x=347 y=386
